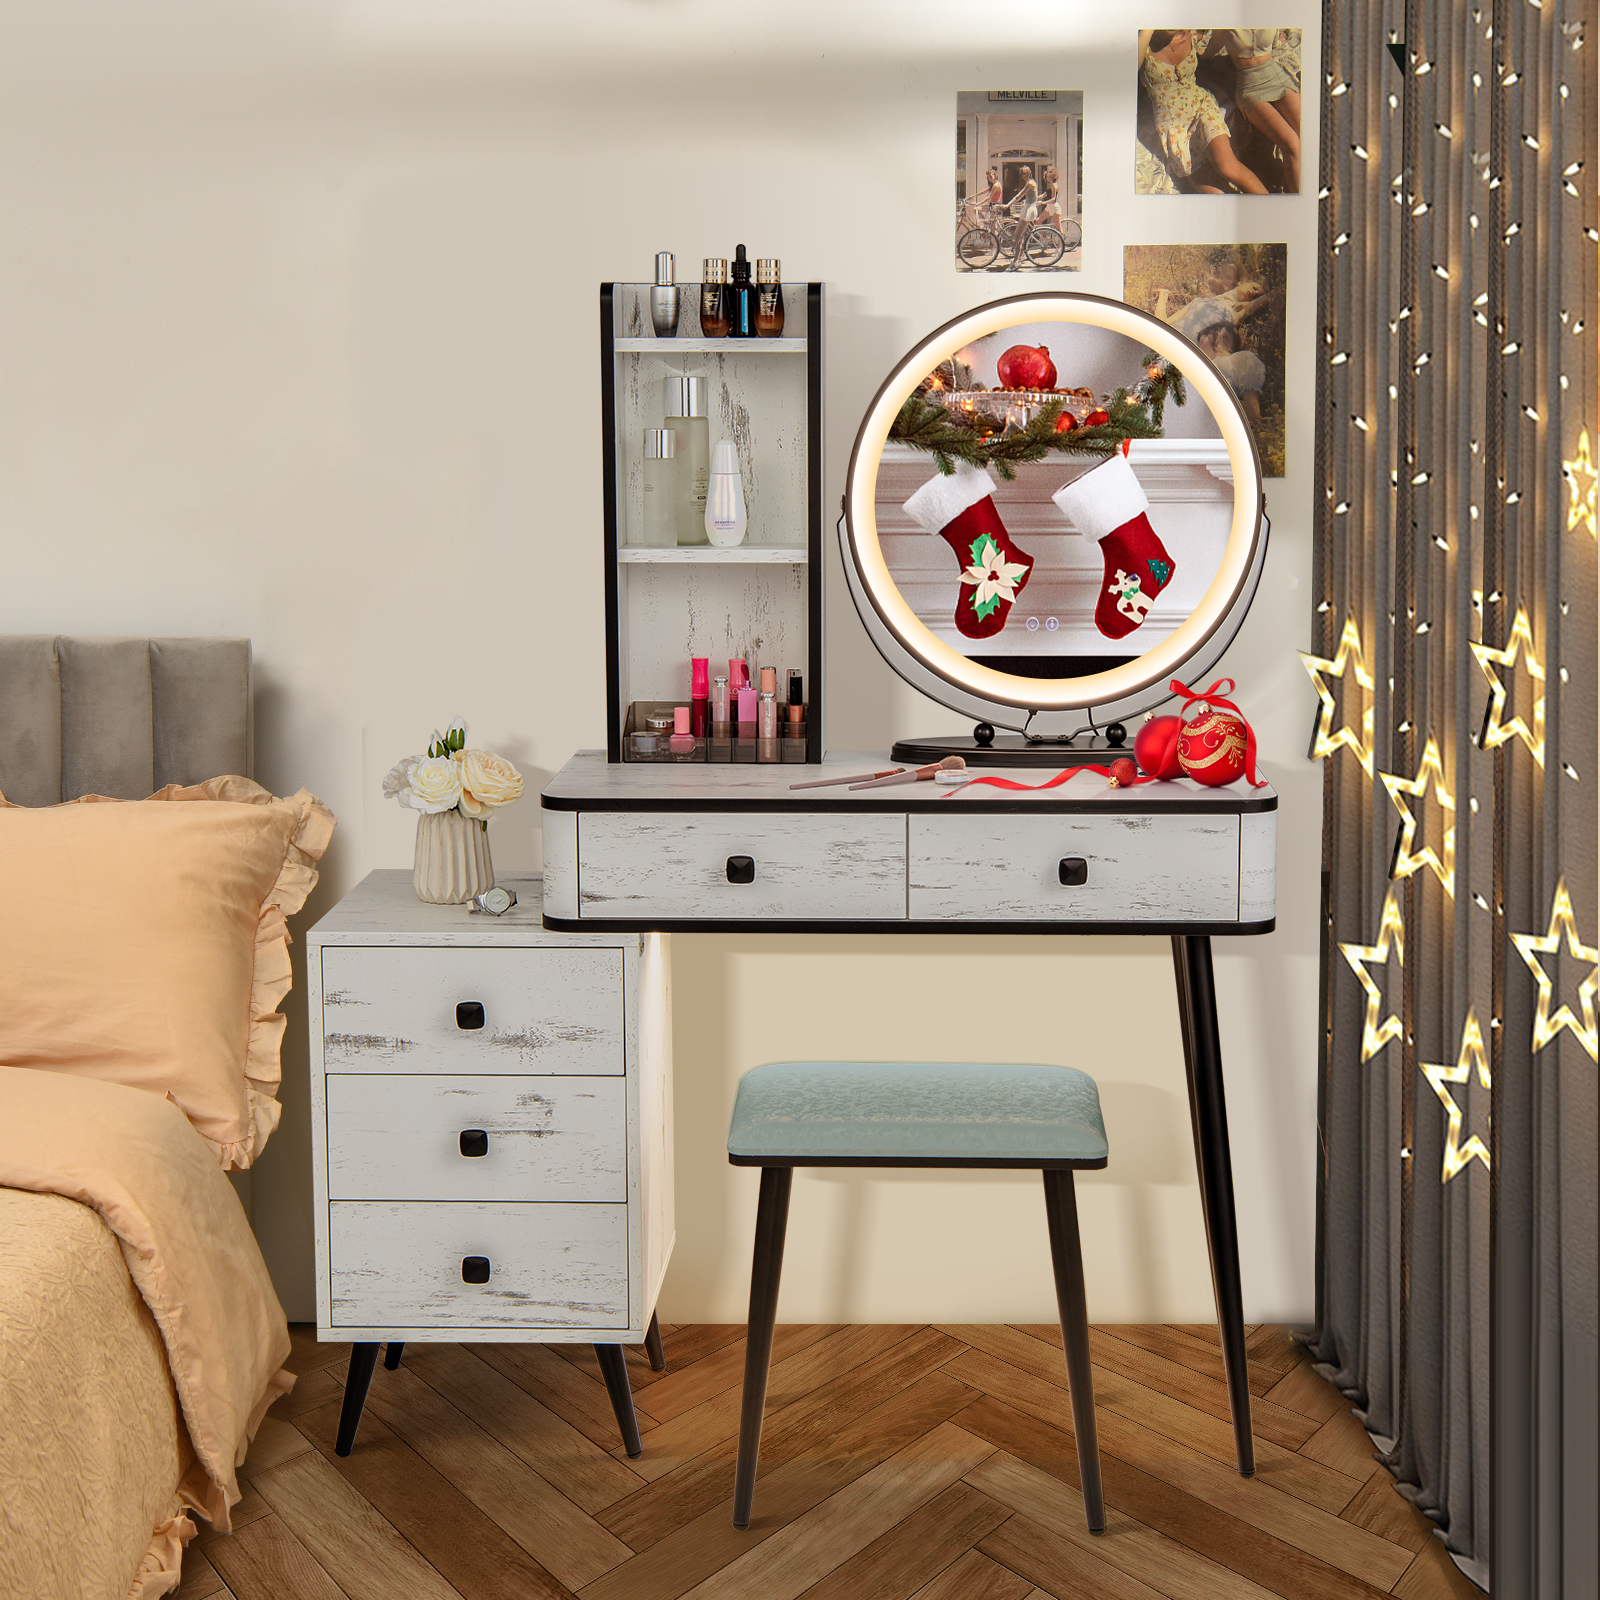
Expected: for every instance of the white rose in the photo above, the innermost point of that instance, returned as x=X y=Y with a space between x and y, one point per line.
x=487 y=780
x=397 y=785
x=435 y=784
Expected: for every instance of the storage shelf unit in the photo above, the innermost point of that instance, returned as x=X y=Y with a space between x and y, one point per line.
x=761 y=599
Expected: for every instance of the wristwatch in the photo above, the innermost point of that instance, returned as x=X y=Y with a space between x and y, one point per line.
x=496 y=901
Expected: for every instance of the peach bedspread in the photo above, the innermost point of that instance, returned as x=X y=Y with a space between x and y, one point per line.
x=135 y=1363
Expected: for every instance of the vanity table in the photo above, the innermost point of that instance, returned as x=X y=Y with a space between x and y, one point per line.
x=703 y=848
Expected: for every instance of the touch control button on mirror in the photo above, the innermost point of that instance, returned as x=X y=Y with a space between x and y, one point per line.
x=1074 y=871
x=474 y=1142
x=469 y=1014
x=741 y=869
x=475 y=1269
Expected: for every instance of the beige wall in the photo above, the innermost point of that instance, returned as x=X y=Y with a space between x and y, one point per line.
x=299 y=342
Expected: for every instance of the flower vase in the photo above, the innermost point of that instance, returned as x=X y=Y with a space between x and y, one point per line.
x=452 y=862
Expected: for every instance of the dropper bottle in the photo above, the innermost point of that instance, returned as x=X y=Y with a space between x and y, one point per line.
x=743 y=299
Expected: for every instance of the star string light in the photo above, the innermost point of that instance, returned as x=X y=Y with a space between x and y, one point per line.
x=1473 y=1056
x=1348 y=658
x=1391 y=932
x=1530 y=946
x=1430 y=774
x=1496 y=731
x=1583 y=487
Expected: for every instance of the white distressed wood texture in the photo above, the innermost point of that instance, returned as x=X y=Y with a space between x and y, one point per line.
x=398 y=1265
x=561 y=864
x=1006 y=868
x=399 y=1138
x=654 y=1120
x=674 y=865
x=546 y=1010
x=1258 y=866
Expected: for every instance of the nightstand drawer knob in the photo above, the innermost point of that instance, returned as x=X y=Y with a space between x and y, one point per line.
x=741 y=869
x=474 y=1142
x=469 y=1014
x=1074 y=871
x=475 y=1269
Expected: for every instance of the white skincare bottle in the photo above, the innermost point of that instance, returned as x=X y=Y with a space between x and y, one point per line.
x=660 y=524
x=725 y=514
x=686 y=416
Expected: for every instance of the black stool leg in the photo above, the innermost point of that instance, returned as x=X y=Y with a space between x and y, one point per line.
x=392 y=1353
x=1208 y=1111
x=363 y=1358
x=772 y=1217
x=614 y=1368
x=1066 y=1256
x=652 y=1345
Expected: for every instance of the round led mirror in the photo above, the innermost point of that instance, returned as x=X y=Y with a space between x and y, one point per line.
x=1054 y=508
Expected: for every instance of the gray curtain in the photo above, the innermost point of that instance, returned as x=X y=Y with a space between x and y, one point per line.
x=1454 y=650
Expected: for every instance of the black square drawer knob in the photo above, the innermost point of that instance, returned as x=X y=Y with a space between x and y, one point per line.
x=475 y=1269
x=469 y=1014
x=474 y=1142
x=741 y=869
x=1074 y=871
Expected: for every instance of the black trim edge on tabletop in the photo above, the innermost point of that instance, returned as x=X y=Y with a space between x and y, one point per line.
x=885 y=926
x=1033 y=1164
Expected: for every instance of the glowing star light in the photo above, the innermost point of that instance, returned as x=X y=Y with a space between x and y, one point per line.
x=1473 y=1055
x=1391 y=930
x=1429 y=774
x=1348 y=656
x=1530 y=946
x=1583 y=487
x=1495 y=731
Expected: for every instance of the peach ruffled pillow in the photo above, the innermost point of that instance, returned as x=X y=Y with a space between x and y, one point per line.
x=144 y=941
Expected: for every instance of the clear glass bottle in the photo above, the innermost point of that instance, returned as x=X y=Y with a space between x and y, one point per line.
x=685 y=408
x=769 y=298
x=658 y=527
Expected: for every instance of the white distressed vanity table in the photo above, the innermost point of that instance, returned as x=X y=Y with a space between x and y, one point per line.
x=709 y=848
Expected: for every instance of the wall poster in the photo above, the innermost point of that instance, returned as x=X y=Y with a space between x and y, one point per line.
x=1019 y=180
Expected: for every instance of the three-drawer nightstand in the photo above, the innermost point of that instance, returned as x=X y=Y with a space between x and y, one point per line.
x=491 y=1130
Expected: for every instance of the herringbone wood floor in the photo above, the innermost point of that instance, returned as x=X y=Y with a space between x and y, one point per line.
x=897 y=1462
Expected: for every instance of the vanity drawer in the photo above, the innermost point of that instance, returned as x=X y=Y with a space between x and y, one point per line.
x=399 y=1265
x=410 y=1009
x=417 y=1137
x=681 y=866
x=966 y=867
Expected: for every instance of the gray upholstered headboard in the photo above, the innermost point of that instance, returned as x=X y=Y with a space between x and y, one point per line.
x=121 y=717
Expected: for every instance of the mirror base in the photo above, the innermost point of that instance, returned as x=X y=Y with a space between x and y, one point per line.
x=1009 y=750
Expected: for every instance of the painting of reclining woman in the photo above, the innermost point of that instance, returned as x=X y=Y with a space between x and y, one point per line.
x=1219 y=111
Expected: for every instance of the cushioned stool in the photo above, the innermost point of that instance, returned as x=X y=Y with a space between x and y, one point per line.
x=916 y=1114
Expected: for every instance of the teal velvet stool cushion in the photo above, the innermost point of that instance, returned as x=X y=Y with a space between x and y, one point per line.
x=916 y=1113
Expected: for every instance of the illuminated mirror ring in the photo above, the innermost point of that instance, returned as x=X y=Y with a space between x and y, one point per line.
x=1220 y=564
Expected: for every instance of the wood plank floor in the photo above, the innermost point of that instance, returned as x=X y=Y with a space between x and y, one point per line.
x=898 y=1463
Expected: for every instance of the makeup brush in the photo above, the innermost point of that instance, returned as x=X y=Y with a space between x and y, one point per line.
x=949 y=764
x=860 y=777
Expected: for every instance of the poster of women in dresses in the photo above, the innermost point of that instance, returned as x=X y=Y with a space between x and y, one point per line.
x=1229 y=299
x=1219 y=111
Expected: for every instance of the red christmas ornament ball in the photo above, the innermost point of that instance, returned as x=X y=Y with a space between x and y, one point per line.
x=1123 y=773
x=1211 y=749
x=1152 y=747
x=1096 y=418
x=1066 y=422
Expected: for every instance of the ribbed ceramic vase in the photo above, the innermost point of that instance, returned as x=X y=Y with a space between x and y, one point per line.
x=452 y=859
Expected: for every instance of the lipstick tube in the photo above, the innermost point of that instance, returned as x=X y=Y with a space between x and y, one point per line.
x=700 y=696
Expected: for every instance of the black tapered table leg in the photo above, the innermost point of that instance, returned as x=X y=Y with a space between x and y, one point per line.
x=772 y=1217
x=392 y=1353
x=652 y=1345
x=1208 y=1112
x=1066 y=1256
x=363 y=1358
x=614 y=1368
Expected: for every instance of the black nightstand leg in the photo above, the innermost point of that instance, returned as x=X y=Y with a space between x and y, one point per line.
x=1208 y=1111
x=392 y=1353
x=652 y=1345
x=614 y=1368
x=363 y=1358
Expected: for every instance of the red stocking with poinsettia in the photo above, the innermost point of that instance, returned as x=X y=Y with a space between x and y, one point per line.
x=959 y=507
x=1109 y=504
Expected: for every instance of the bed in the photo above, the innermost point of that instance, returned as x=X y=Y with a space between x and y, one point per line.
x=140 y=1339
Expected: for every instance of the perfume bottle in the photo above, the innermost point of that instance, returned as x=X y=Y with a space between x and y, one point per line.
x=659 y=527
x=664 y=298
x=741 y=299
x=725 y=513
x=713 y=293
x=767 y=717
x=699 y=696
x=769 y=298
x=686 y=417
